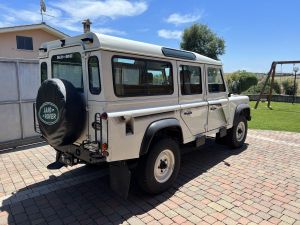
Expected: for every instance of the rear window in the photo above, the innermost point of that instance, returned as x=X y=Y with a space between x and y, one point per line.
x=215 y=80
x=68 y=67
x=141 y=77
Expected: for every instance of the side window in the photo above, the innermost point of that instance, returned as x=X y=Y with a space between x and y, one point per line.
x=94 y=75
x=215 y=80
x=44 y=73
x=141 y=77
x=190 y=80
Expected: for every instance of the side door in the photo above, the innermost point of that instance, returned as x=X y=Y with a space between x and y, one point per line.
x=217 y=97
x=194 y=106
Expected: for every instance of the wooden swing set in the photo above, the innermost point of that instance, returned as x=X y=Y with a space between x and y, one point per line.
x=272 y=73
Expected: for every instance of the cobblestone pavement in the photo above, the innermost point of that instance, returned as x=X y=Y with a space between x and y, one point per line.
x=259 y=184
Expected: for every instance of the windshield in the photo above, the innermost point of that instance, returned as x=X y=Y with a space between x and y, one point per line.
x=68 y=67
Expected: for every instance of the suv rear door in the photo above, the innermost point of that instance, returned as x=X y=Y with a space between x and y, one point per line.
x=192 y=96
x=68 y=63
x=217 y=97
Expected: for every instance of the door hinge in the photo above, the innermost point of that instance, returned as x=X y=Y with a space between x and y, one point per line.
x=205 y=127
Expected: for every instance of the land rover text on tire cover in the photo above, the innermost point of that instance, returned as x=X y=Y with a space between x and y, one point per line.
x=132 y=106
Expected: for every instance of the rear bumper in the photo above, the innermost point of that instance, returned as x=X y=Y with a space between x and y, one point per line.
x=81 y=153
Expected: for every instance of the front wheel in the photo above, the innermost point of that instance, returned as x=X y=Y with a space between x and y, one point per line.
x=237 y=134
x=160 y=167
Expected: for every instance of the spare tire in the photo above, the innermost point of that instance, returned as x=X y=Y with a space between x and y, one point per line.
x=60 y=112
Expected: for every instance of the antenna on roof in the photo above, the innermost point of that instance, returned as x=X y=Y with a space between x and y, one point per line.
x=43 y=9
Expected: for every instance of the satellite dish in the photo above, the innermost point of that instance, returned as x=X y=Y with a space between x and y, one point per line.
x=43 y=6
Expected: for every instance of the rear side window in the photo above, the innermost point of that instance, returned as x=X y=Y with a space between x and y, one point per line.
x=68 y=67
x=94 y=75
x=44 y=72
x=215 y=80
x=190 y=80
x=141 y=77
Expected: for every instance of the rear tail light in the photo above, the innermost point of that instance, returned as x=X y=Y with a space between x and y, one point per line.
x=104 y=147
x=104 y=116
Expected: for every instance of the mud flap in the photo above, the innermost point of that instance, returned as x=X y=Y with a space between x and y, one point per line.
x=120 y=178
x=57 y=164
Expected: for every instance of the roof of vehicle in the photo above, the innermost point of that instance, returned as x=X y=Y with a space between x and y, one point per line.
x=118 y=44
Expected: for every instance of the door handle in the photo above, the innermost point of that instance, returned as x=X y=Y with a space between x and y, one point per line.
x=213 y=108
x=187 y=112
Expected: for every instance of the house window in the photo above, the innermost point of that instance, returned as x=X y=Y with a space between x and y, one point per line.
x=24 y=43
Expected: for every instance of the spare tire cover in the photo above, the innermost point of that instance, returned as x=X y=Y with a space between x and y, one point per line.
x=60 y=112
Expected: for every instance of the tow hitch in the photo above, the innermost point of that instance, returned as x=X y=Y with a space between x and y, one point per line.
x=63 y=159
x=67 y=159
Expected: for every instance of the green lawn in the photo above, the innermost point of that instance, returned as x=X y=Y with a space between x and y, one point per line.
x=283 y=116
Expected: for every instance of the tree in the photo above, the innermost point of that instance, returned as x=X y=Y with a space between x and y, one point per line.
x=199 y=38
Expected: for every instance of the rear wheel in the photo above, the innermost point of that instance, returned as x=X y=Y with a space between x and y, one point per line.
x=160 y=167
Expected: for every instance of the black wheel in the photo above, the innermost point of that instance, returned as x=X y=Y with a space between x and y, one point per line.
x=237 y=134
x=160 y=167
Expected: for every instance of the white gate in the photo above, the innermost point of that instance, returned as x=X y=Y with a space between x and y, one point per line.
x=19 y=82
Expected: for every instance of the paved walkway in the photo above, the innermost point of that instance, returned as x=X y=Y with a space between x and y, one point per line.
x=259 y=184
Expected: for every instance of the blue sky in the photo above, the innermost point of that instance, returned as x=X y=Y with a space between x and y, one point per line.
x=256 y=32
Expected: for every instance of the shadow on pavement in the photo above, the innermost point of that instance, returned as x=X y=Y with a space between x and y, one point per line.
x=93 y=202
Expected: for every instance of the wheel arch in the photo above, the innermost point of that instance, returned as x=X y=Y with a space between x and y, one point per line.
x=170 y=127
x=242 y=109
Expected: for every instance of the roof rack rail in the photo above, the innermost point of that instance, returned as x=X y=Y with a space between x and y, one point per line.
x=170 y=52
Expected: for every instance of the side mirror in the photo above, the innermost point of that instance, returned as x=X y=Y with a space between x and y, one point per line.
x=229 y=94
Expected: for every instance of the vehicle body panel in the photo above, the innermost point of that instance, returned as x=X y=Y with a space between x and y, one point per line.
x=129 y=117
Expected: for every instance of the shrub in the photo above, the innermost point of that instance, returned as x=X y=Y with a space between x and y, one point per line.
x=241 y=81
x=256 y=89
x=288 y=87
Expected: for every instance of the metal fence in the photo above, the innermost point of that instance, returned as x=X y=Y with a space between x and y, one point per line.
x=276 y=98
x=19 y=82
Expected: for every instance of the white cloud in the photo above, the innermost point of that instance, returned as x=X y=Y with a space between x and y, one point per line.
x=103 y=30
x=178 y=19
x=12 y=15
x=68 y=14
x=95 y=9
x=170 y=34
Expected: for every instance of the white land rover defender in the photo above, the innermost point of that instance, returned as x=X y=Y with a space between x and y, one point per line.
x=108 y=99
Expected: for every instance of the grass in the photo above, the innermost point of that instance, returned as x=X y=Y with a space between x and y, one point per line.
x=282 y=117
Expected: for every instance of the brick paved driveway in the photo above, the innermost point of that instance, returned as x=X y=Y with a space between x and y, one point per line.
x=259 y=184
